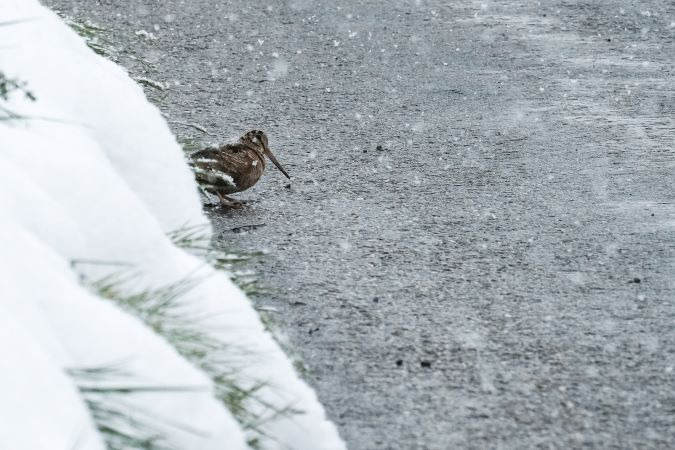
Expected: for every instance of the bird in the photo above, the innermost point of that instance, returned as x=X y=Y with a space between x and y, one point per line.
x=233 y=168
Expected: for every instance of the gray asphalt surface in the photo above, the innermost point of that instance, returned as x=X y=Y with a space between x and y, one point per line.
x=478 y=248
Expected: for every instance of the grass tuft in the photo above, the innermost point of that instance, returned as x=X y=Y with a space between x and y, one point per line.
x=163 y=311
x=9 y=85
x=93 y=36
x=123 y=425
x=195 y=240
x=152 y=83
x=235 y=264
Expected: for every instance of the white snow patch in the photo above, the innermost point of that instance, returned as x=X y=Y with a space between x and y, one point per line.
x=103 y=180
x=279 y=69
x=146 y=35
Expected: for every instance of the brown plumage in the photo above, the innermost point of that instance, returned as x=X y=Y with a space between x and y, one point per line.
x=233 y=167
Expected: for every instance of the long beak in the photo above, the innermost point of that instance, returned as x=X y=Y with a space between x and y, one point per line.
x=272 y=158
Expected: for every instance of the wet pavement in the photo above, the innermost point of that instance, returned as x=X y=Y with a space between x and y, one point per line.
x=478 y=246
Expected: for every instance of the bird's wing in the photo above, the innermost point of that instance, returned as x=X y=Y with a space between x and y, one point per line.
x=212 y=168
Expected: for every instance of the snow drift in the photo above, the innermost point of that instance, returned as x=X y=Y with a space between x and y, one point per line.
x=91 y=182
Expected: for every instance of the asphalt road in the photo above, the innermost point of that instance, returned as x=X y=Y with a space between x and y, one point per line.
x=478 y=247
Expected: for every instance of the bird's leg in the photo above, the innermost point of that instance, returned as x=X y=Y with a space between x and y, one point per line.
x=228 y=202
x=205 y=193
x=241 y=202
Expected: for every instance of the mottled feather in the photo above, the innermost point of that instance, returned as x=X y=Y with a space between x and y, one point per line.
x=228 y=169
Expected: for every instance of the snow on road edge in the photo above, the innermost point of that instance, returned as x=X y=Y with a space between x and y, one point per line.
x=94 y=174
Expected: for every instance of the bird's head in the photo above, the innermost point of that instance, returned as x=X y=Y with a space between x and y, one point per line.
x=257 y=140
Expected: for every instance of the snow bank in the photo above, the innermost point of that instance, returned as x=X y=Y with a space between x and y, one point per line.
x=93 y=174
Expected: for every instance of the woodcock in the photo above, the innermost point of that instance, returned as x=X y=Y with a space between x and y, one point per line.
x=233 y=167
